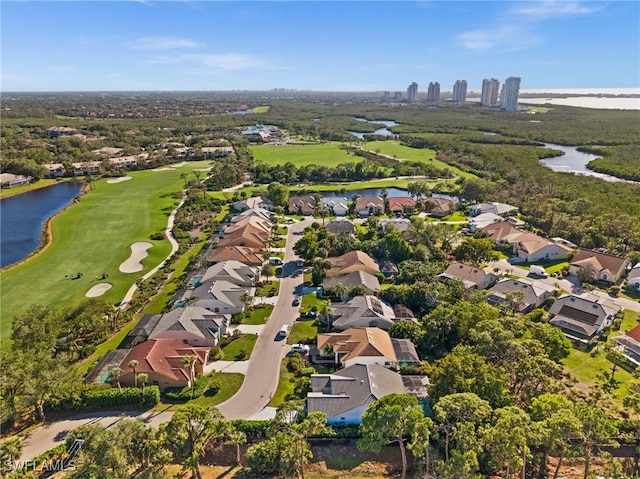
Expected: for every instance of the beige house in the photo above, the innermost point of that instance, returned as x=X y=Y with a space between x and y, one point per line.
x=604 y=266
x=243 y=254
x=473 y=277
x=350 y=262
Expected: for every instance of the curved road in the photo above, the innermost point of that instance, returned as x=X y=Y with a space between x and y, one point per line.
x=263 y=373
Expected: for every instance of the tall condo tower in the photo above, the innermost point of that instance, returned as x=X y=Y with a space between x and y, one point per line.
x=460 y=90
x=509 y=94
x=433 y=92
x=412 y=92
x=490 y=89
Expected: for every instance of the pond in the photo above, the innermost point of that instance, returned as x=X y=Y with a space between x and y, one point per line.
x=380 y=131
x=23 y=216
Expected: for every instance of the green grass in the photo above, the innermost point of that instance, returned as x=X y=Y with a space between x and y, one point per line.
x=269 y=289
x=260 y=109
x=233 y=350
x=259 y=314
x=94 y=236
x=550 y=266
x=424 y=155
x=229 y=385
x=302 y=331
x=310 y=300
x=456 y=216
x=5 y=193
x=328 y=154
x=586 y=368
x=285 y=386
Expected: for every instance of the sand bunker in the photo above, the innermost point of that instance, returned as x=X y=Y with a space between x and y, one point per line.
x=163 y=169
x=98 y=290
x=203 y=169
x=119 y=180
x=138 y=252
x=178 y=165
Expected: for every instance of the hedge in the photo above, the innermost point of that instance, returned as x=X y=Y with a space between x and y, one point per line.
x=100 y=398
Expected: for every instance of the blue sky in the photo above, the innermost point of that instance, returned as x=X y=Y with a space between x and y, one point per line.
x=330 y=45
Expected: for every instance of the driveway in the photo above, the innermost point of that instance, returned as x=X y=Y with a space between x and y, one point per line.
x=50 y=435
x=263 y=372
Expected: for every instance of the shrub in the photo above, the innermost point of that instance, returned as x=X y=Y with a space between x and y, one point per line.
x=252 y=428
x=100 y=398
x=263 y=458
x=215 y=353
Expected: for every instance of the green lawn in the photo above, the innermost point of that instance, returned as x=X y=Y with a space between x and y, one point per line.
x=259 y=314
x=550 y=266
x=285 y=386
x=424 y=155
x=586 y=368
x=5 y=193
x=269 y=289
x=229 y=385
x=302 y=331
x=94 y=236
x=310 y=300
x=233 y=350
x=328 y=154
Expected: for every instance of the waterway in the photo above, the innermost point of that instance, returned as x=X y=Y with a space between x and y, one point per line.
x=23 y=216
x=574 y=161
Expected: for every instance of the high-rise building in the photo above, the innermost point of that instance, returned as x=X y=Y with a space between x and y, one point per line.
x=397 y=96
x=460 y=90
x=412 y=92
x=433 y=92
x=490 y=89
x=509 y=94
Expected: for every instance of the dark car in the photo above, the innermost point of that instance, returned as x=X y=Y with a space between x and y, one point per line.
x=309 y=315
x=296 y=301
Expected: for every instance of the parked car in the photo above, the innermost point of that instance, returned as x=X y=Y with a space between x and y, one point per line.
x=300 y=348
x=284 y=332
x=296 y=301
x=309 y=315
x=300 y=263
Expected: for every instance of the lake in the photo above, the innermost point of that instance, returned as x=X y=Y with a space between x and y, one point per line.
x=380 y=131
x=349 y=194
x=23 y=216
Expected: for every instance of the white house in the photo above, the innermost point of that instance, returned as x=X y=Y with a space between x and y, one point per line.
x=338 y=206
x=220 y=297
x=633 y=280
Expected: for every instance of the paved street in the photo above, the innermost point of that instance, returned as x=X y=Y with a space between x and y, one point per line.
x=262 y=376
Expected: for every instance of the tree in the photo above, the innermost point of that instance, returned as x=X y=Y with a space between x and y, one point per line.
x=420 y=443
x=10 y=450
x=114 y=375
x=476 y=250
x=555 y=343
x=392 y=417
x=507 y=440
x=267 y=270
x=190 y=429
x=458 y=408
x=142 y=378
x=406 y=329
x=596 y=426
x=318 y=270
x=133 y=364
x=190 y=362
x=278 y=194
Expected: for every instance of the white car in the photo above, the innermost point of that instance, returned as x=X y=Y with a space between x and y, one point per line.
x=300 y=348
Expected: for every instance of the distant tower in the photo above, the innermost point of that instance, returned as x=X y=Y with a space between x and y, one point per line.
x=490 y=89
x=460 y=91
x=509 y=94
x=397 y=96
x=433 y=93
x=412 y=92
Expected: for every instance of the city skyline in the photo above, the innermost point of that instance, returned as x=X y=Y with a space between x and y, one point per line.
x=321 y=46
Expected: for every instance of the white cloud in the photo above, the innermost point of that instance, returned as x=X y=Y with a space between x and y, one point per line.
x=507 y=38
x=162 y=43
x=553 y=8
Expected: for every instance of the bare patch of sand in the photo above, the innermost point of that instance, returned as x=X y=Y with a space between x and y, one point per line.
x=133 y=264
x=203 y=169
x=119 y=180
x=98 y=290
x=163 y=169
x=178 y=165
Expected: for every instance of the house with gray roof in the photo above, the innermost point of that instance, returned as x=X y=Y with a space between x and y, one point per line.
x=337 y=206
x=633 y=279
x=364 y=311
x=220 y=297
x=192 y=325
x=345 y=395
x=232 y=271
x=368 y=282
x=257 y=211
x=398 y=224
x=534 y=293
x=341 y=227
x=473 y=277
x=582 y=318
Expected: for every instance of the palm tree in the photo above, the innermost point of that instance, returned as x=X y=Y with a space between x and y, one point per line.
x=341 y=291
x=133 y=364
x=267 y=270
x=114 y=375
x=142 y=378
x=326 y=311
x=190 y=362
